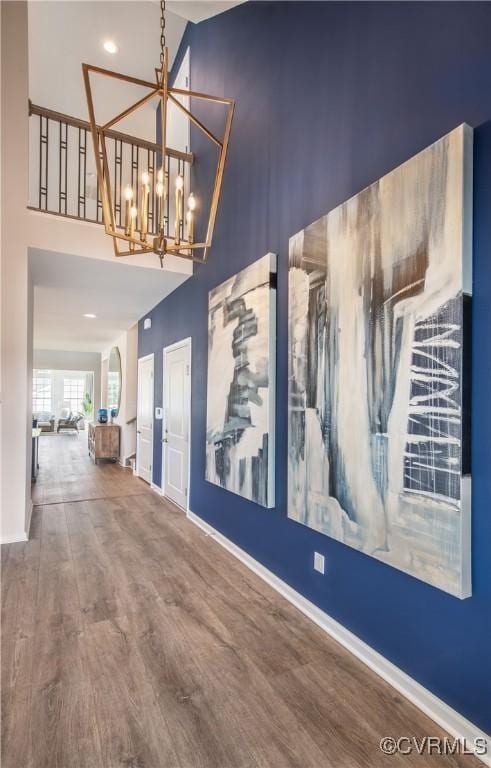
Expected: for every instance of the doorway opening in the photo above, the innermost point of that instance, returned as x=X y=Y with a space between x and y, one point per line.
x=62 y=409
x=176 y=435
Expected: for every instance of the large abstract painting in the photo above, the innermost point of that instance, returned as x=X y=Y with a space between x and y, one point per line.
x=241 y=382
x=377 y=394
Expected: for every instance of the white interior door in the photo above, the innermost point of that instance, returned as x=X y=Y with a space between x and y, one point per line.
x=175 y=439
x=144 y=419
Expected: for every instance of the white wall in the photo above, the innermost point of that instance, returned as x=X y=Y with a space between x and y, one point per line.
x=16 y=296
x=127 y=344
x=60 y=360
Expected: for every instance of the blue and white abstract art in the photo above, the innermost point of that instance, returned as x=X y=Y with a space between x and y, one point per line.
x=241 y=382
x=378 y=287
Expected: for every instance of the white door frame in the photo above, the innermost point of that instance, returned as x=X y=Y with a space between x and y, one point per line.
x=187 y=342
x=144 y=360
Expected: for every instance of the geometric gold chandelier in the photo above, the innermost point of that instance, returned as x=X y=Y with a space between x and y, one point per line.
x=158 y=211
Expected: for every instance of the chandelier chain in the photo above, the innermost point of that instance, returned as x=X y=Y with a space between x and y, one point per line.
x=162 y=31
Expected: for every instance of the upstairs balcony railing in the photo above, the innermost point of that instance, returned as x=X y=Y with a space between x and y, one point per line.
x=62 y=175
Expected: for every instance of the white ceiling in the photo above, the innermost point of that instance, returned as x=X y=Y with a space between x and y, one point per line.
x=64 y=34
x=65 y=288
x=199 y=10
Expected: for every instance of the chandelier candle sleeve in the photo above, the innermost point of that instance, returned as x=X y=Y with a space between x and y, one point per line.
x=179 y=195
x=133 y=215
x=128 y=197
x=159 y=189
x=145 y=191
x=190 y=218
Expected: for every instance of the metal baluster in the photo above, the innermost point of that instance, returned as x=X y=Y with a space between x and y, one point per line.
x=98 y=210
x=84 y=176
x=82 y=167
x=78 y=178
x=66 y=166
x=137 y=172
x=134 y=171
x=43 y=167
x=63 y=172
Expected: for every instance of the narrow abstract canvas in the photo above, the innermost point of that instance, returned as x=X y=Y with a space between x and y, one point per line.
x=241 y=382
x=377 y=393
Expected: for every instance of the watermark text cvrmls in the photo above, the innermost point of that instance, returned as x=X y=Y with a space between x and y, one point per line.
x=433 y=745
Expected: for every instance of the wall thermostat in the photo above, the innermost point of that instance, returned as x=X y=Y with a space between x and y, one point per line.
x=147 y=323
x=158 y=413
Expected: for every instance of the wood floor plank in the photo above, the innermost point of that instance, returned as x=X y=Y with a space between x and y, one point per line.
x=130 y=639
x=16 y=726
x=133 y=731
x=19 y=606
x=64 y=729
x=97 y=587
x=195 y=718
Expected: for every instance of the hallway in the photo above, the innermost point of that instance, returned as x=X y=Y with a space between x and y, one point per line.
x=66 y=472
x=130 y=638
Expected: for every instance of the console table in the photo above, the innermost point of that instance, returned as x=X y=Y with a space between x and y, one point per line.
x=103 y=441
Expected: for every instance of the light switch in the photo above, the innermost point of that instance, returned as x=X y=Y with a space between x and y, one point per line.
x=319 y=562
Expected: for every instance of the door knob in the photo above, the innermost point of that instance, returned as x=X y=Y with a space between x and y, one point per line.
x=164 y=440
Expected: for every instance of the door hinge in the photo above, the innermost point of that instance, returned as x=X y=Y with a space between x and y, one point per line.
x=187 y=370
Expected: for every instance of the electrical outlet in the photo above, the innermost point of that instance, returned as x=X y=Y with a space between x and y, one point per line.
x=319 y=562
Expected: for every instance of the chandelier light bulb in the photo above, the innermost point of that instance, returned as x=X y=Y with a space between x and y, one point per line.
x=191 y=202
x=145 y=178
x=179 y=182
x=159 y=188
x=133 y=212
x=128 y=193
x=160 y=175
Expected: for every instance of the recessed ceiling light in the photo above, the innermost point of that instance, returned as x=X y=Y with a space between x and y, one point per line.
x=90 y=315
x=110 y=46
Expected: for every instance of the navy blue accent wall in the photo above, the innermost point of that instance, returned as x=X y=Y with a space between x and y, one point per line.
x=330 y=96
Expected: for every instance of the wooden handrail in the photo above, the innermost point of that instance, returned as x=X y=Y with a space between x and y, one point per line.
x=76 y=122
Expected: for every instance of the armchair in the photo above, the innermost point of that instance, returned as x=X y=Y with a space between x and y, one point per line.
x=69 y=422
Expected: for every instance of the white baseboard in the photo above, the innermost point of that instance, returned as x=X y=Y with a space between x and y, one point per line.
x=446 y=717
x=156 y=488
x=14 y=538
x=29 y=518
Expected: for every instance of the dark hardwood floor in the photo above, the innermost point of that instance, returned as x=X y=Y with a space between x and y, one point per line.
x=130 y=639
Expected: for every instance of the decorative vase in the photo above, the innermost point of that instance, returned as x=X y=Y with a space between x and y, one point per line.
x=102 y=415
